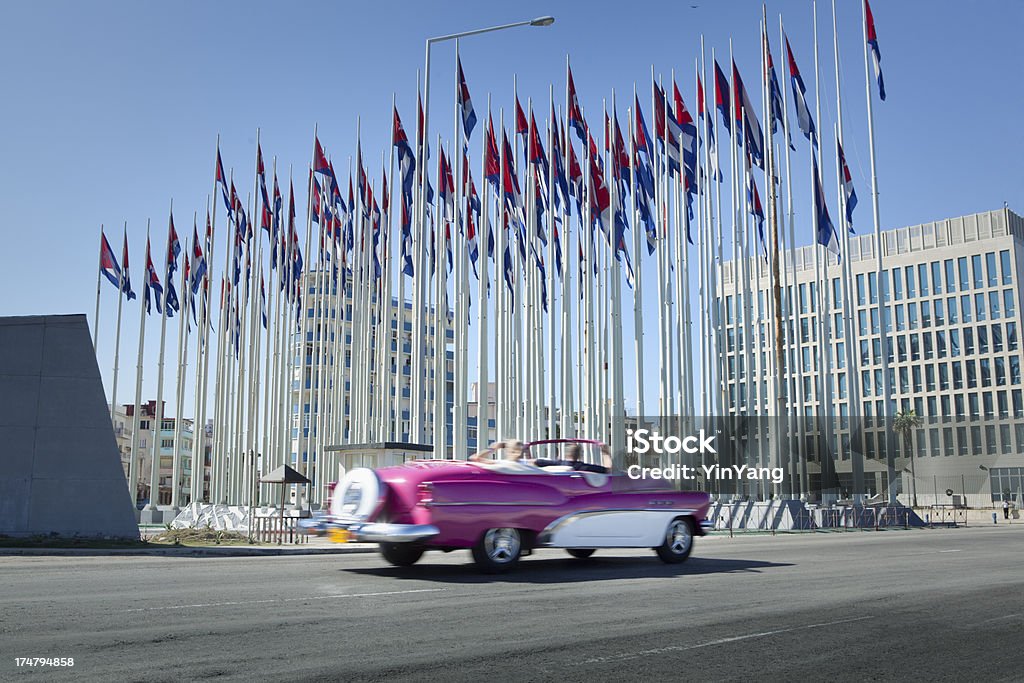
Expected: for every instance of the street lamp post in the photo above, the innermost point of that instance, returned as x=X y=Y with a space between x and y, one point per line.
x=440 y=330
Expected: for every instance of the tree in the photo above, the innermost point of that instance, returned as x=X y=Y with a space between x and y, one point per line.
x=905 y=424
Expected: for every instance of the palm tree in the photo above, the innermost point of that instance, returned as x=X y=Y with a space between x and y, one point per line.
x=906 y=423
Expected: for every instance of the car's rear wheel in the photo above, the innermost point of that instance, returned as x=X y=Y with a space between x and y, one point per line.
x=401 y=554
x=498 y=550
x=678 y=541
x=581 y=553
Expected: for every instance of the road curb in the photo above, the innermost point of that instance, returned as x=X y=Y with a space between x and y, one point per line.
x=186 y=551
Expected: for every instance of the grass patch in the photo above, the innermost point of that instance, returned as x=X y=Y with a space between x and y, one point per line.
x=200 y=537
x=55 y=541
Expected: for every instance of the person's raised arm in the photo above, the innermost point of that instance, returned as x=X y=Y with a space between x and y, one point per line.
x=485 y=454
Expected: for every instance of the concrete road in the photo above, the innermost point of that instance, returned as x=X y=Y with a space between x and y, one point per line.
x=893 y=605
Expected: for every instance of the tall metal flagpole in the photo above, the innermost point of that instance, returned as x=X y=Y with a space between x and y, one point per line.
x=568 y=415
x=136 y=460
x=457 y=244
x=417 y=405
x=180 y=384
x=96 y=317
x=551 y=268
x=500 y=317
x=117 y=333
x=853 y=386
x=824 y=288
x=199 y=464
x=483 y=390
x=618 y=410
x=303 y=290
x=883 y=286
x=154 y=473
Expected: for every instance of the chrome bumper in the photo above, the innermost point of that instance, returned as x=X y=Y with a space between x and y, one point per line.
x=706 y=526
x=370 y=532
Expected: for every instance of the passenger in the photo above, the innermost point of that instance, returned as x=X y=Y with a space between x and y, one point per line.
x=573 y=454
x=513 y=451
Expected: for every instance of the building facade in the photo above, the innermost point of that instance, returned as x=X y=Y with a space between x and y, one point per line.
x=123 y=423
x=950 y=327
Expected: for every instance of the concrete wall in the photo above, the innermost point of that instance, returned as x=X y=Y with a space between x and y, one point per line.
x=60 y=471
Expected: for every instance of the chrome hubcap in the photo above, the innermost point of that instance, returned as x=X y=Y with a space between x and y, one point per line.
x=679 y=537
x=502 y=545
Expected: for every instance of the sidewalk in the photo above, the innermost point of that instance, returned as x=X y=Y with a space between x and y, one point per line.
x=315 y=546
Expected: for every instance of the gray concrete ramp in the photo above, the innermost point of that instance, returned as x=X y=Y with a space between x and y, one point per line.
x=60 y=471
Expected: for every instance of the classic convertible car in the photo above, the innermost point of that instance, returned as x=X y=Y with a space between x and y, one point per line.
x=504 y=509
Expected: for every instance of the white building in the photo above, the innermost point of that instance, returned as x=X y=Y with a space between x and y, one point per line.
x=951 y=328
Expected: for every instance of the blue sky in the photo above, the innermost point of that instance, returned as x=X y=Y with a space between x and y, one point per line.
x=111 y=109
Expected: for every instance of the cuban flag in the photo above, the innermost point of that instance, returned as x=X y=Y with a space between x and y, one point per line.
x=446 y=186
x=848 y=191
x=600 y=198
x=263 y=302
x=320 y=163
x=687 y=133
x=722 y=96
x=756 y=210
x=522 y=127
x=576 y=181
x=198 y=266
x=173 y=248
x=575 y=113
x=644 y=192
x=712 y=147
x=666 y=129
x=316 y=209
x=108 y=262
x=776 y=108
x=824 y=230
x=465 y=104
x=471 y=242
x=152 y=283
x=803 y=113
x=492 y=160
x=126 y=282
x=746 y=117
x=508 y=272
x=876 y=55
x=558 y=162
x=222 y=180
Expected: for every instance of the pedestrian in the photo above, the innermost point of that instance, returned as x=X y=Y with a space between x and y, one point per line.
x=1006 y=509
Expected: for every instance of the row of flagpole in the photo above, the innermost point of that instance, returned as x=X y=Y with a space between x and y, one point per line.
x=315 y=368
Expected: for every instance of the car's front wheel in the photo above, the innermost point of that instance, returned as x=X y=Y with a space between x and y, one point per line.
x=498 y=550
x=580 y=553
x=401 y=554
x=678 y=541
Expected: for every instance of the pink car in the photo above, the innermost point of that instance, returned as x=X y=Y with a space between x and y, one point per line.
x=502 y=510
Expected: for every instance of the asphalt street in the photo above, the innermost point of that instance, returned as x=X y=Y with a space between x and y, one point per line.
x=893 y=605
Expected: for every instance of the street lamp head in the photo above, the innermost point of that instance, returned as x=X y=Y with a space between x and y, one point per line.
x=542 y=21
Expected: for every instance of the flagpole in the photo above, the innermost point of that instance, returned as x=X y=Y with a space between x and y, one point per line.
x=393 y=407
x=458 y=390
x=500 y=364
x=568 y=419
x=552 y=266
x=204 y=353
x=849 y=330
x=883 y=309
x=618 y=410
x=179 y=386
x=154 y=473
x=136 y=460
x=117 y=333
x=483 y=389
x=96 y=316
